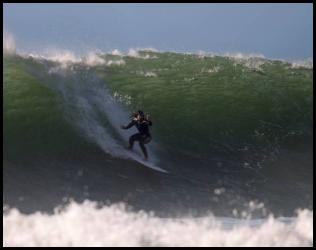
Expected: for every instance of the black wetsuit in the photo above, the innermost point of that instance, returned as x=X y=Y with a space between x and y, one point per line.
x=143 y=136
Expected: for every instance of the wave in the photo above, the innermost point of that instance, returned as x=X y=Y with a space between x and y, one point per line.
x=93 y=58
x=66 y=65
x=115 y=225
x=244 y=125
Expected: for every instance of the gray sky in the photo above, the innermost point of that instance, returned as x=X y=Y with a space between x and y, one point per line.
x=274 y=30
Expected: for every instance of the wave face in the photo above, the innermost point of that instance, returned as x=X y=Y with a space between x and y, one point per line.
x=229 y=130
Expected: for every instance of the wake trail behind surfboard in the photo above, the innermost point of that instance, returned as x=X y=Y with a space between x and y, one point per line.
x=134 y=156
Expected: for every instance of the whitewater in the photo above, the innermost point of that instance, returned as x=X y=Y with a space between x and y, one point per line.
x=86 y=225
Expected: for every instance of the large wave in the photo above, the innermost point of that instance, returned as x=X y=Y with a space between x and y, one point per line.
x=229 y=129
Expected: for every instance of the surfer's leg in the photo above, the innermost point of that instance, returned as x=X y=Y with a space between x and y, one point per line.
x=146 y=139
x=132 y=139
x=142 y=146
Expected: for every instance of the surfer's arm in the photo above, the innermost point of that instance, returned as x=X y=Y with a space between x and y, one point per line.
x=148 y=121
x=131 y=124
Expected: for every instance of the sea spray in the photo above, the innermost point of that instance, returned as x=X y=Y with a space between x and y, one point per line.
x=87 y=224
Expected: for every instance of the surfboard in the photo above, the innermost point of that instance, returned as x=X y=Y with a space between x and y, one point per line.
x=132 y=155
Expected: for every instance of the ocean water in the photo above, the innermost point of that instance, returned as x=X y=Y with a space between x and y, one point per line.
x=234 y=133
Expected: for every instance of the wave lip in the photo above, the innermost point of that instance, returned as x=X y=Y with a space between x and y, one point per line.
x=116 y=226
x=93 y=58
x=66 y=58
x=308 y=63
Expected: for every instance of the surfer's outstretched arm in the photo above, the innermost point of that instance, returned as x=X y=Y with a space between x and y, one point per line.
x=131 y=124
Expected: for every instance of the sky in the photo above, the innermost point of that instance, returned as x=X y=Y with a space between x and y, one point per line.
x=281 y=31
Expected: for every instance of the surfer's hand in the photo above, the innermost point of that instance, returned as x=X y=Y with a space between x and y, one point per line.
x=122 y=127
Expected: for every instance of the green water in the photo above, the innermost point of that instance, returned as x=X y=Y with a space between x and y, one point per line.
x=33 y=118
x=197 y=104
x=233 y=105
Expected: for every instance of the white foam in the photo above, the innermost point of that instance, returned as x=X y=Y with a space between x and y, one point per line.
x=150 y=74
x=203 y=54
x=62 y=56
x=150 y=49
x=146 y=73
x=126 y=99
x=215 y=69
x=86 y=225
x=67 y=58
x=116 y=52
x=8 y=43
x=308 y=63
x=93 y=59
x=219 y=191
x=135 y=53
x=251 y=61
x=115 y=62
x=243 y=56
x=254 y=60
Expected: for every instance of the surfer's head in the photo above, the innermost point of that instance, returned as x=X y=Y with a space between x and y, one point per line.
x=141 y=113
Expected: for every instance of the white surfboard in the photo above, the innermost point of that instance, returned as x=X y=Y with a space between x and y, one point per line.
x=147 y=163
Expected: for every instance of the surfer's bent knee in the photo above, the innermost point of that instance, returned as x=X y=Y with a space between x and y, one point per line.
x=146 y=140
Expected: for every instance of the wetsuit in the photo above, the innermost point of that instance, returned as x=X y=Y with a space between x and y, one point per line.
x=143 y=136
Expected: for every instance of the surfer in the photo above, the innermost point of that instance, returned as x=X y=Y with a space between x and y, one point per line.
x=143 y=137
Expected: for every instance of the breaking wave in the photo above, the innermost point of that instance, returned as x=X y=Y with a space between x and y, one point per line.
x=229 y=129
x=81 y=225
